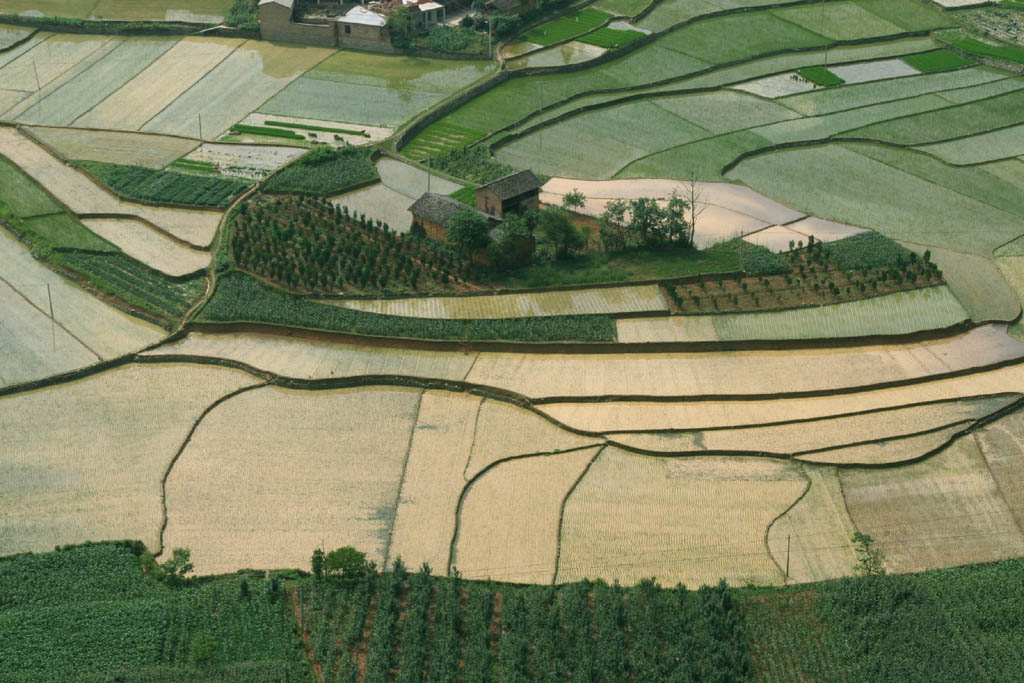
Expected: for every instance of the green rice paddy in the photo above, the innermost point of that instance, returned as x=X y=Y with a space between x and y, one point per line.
x=819 y=75
x=564 y=28
x=936 y=60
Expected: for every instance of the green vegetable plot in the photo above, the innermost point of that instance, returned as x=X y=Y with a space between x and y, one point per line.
x=819 y=75
x=936 y=60
x=138 y=182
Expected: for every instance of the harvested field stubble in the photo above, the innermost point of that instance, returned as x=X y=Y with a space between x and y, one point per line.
x=630 y=501
x=441 y=445
x=315 y=358
x=84 y=460
x=305 y=468
x=509 y=521
x=1003 y=448
x=888 y=452
x=831 y=432
x=117 y=147
x=813 y=536
x=943 y=512
x=647 y=415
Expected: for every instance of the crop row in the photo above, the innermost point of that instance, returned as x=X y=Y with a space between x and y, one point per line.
x=241 y=298
x=440 y=137
x=266 y=130
x=135 y=283
x=138 y=182
x=326 y=129
x=325 y=171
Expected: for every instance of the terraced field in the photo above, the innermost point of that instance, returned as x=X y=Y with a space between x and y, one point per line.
x=746 y=446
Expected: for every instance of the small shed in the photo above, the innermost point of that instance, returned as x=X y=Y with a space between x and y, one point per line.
x=433 y=211
x=514 y=193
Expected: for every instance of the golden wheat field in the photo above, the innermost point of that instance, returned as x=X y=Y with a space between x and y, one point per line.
x=235 y=494
x=510 y=518
x=85 y=460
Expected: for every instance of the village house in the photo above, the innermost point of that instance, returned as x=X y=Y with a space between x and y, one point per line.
x=343 y=24
x=514 y=193
x=432 y=211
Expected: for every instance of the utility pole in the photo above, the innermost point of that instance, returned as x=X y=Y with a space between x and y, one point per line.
x=53 y=321
x=540 y=114
x=489 y=19
x=822 y=31
x=39 y=88
x=787 y=557
x=428 y=174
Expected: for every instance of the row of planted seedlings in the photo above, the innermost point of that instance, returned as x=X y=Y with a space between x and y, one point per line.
x=814 y=275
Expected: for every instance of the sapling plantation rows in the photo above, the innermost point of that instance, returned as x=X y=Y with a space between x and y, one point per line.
x=309 y=244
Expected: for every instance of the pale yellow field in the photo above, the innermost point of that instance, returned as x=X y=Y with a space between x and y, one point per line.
x=741 y=372
x=503 y=430
x=1002 y=443
x=142 y=98
x=576 y=302
x=797 y=437
x=31 y=346
x=434 y=479
x=252 y=74
x=83 y=461
x=886 y=452
x=508 y=526
x=305 y=358
x=141 y=242
x=943 y=512
x=692 y=520
x=646 y=415
x=817 y=530
x=115 y=147
x=105 y=331
x=83 y=196
x=272 y=474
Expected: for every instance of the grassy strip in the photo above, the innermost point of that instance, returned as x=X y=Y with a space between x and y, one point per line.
x=1008 y=53
x=566 y=27
x=242 y=298
x=44 y=233
x=466 y=195
x=440 y=137
x=135 y=283
x=23 y=196
x=240 y=128
x=936 y=60
x=819 y=75
x=325 y=171
x=610 y=37
x=138 y=182
x=304 y=126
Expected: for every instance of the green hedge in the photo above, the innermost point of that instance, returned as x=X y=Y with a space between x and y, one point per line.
x=241 y=298
x=265 y=130
x=304 y=126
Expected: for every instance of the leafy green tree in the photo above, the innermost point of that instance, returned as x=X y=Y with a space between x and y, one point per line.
x=469 y=229
x=179 y=564
x=345 y=563
x=400 y=24
x=575 y=199
x=556 y=228
x=318 y=563
x=870 y=560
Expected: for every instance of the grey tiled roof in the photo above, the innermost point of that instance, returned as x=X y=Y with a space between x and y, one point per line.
x=439 y=208
x=514 y=184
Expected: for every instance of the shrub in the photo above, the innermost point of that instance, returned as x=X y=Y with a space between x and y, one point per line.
x=758 y=260
x=449 y=39
x=244 y=14
x=866 y=250
x=474 y=164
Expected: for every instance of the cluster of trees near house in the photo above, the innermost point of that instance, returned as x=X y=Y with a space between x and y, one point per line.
x=625 y=224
